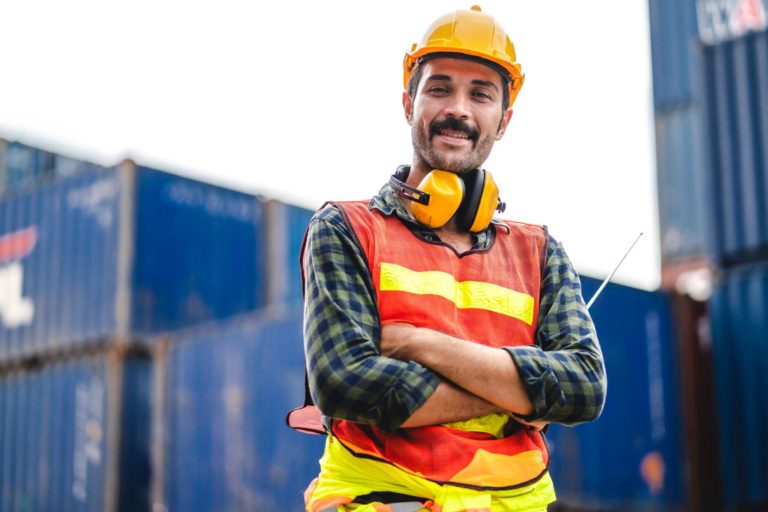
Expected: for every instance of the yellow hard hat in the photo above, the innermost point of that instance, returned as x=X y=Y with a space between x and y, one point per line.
x=472 y=33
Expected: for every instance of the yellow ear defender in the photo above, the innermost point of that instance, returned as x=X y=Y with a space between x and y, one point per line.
x=472 y=197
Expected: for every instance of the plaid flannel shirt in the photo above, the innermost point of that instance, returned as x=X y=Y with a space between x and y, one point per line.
x=563 y=372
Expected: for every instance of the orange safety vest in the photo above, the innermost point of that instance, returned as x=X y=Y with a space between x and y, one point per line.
x=489 y=296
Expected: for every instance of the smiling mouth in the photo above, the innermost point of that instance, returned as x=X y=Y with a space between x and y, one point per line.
x=454 y=134
x=451 y=128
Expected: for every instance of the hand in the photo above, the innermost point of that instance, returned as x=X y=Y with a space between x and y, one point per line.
x=530 y=425
x=395 y=340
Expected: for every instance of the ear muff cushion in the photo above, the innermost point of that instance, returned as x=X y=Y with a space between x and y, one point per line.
x=445 y=191
x=489 y=201
x=474 y=182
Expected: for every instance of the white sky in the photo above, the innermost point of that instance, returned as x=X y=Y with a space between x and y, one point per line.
x=300 y=101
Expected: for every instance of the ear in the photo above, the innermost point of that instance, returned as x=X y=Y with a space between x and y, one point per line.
x=504 y=122
x=407 y=106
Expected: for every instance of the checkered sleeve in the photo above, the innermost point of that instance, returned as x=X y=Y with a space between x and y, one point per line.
x=564 y=371
x=348 y=377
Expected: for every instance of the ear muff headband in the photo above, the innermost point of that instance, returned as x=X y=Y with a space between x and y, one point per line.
x=474 y=181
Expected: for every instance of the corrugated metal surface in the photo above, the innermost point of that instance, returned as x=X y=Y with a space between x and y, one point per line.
x=58 y=248
x=298 y=220
x=681 y=184
x=739 y=312
x=228 y=389
x=736 y=76
x=198 y=252
x=675 y=60
x=23 y=166
x=58 y=430
x=285 y=226
x=698 y=403
x=128 y=252
x=630 y=458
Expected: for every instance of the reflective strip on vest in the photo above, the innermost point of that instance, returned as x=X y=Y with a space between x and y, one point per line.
x=343 y=475
x=464 y=294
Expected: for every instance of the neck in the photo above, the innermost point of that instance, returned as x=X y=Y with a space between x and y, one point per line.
x=419 y=169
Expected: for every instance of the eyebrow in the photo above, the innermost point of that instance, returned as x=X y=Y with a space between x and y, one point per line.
x=446 y=78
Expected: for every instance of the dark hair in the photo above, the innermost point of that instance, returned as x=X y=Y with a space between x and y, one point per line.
x=413 y=82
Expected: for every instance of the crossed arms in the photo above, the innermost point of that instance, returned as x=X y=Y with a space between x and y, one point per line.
x=401 y=376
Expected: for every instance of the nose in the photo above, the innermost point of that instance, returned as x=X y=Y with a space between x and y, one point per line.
x=458 y=106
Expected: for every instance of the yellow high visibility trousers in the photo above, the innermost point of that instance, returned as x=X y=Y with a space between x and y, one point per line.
x=343 y=477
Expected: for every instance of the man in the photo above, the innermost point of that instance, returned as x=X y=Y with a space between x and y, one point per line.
x=440 y=342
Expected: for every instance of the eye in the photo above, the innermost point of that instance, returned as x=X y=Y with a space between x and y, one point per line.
x=438 y=89
x=482 y=95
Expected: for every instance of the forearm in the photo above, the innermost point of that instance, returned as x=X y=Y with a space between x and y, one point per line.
x=447 y=404
x=566 y=386
x=564 y=371
x=486 y=372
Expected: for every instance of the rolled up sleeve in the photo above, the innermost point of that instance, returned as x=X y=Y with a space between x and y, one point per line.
x=564 y=373
x=348 y=377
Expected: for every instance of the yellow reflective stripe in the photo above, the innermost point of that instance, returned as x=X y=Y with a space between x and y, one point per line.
x=342 y=474
x=464 y=294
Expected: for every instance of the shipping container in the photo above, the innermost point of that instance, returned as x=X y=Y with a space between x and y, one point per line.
x=23 y=166
x=674 y=54
x=222 y=402
x=679 y=29
x=285 y=225
x=74 y=434
x=681 y=185
x=128 y=251
x=739 y=313
x=691 y=319
x=736 y=77
x=632 y=457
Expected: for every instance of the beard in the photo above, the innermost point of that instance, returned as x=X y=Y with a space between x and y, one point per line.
x=457 y=161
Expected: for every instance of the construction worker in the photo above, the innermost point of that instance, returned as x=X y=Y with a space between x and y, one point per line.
x=439 y=341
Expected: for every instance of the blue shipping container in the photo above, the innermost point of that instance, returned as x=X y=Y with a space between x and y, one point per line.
x=23 y=166
x=74 y=435
x=736 y=77
x=631 y=458
x=674 y=55
x=681 y=184
x=285 y=226
x=739 y=313
x=127 y=252
x=680 y=28
x=227 y=390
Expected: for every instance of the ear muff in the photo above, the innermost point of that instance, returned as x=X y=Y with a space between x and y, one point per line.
x=472 y=197
x=481 y=199
x=446 y=191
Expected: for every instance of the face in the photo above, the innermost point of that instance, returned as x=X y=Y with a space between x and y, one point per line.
x=456 y=115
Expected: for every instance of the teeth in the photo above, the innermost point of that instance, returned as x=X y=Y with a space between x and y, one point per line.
x=456 y=135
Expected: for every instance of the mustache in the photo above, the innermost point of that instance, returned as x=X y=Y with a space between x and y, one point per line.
x=453 y=124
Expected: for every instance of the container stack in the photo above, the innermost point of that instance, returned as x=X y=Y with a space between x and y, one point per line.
x=632 y=457
x=724 y=47
x=107 y=277
x=151 y=344
x=23 y=166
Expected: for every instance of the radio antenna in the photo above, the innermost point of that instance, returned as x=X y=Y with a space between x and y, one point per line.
x=592 y=300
